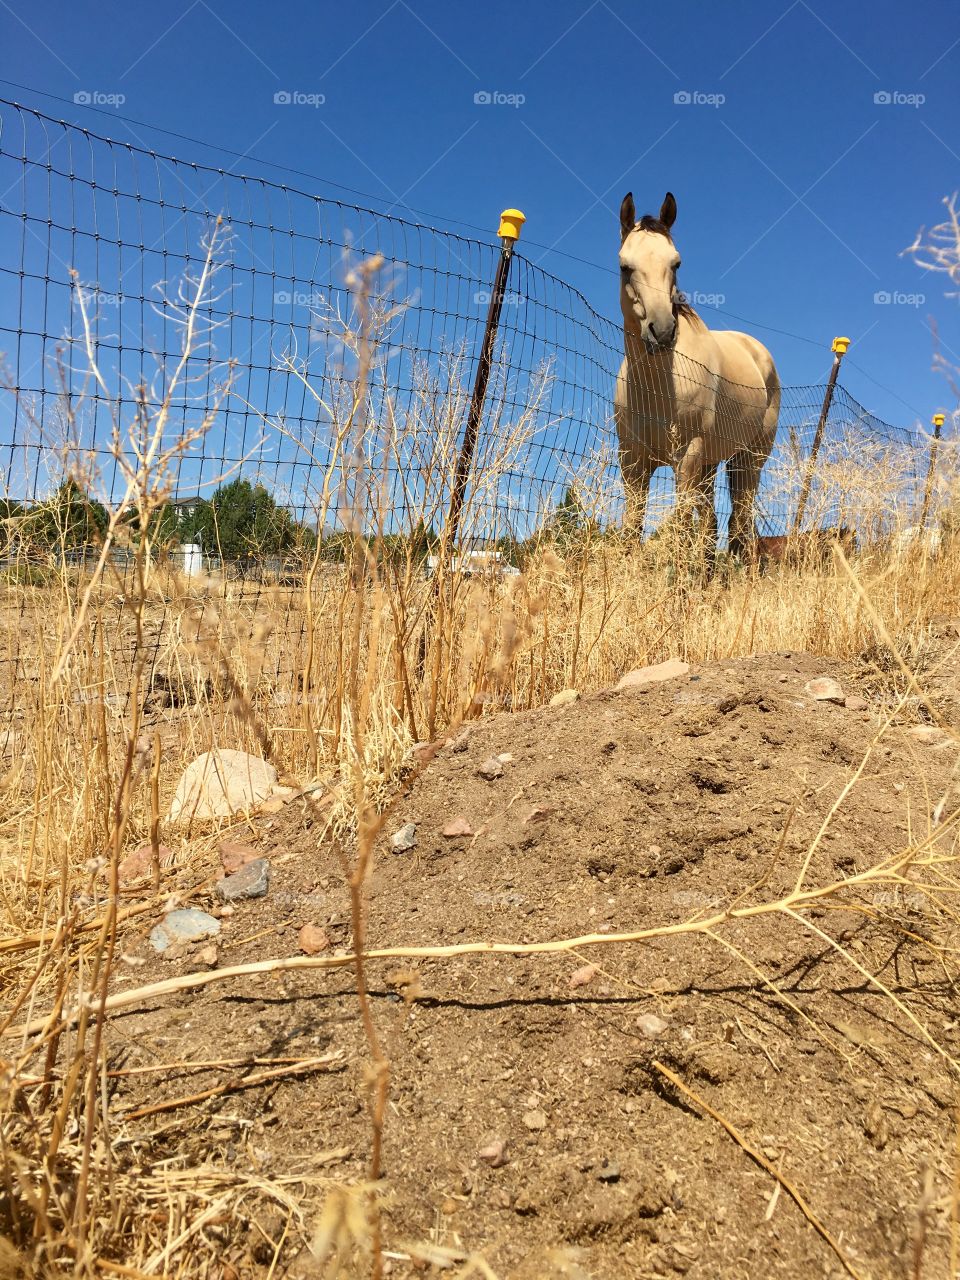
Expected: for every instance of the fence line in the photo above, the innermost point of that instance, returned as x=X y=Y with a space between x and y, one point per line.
x=132 y=223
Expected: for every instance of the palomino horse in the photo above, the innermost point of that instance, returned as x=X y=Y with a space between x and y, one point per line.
x=687 y=397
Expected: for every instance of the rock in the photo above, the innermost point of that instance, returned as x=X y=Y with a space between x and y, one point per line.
x=208 y=956
x=564 y=698
x=138 y=864
x=461 y=741
x=643 y=677
x=855 y=703
x=930 y=735
x=539 y=814
x=457 y=827
x=824 y=689
x=404 y=839
x=648 y=1024
x=491 y=769
x=580 y=977
x=608 y=1171
x=494 y=1153
x=220 y=783
x=535 y=1120
x=181 y=927
x=233 y=856
x=313 y=940
x=251 y=881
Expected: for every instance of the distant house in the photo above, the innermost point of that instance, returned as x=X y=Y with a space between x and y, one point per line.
x=186 y=506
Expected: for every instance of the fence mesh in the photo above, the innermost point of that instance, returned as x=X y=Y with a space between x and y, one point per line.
x=266 y=383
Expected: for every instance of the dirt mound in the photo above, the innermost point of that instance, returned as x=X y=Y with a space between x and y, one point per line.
x=534 y=1112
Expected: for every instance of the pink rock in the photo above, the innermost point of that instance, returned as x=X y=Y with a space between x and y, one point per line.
x=494 y=1153
x=824 y=689
x=313 y=940
x=457 y=827
x=855 y=703
x=233 y=855
x=137 y=865
x=580 y=977
x=642 y=677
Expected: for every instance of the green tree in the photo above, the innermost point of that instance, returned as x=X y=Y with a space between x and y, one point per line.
x=241 y=519
x=69 y=518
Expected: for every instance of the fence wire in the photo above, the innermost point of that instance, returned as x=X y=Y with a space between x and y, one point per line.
x=267 y=382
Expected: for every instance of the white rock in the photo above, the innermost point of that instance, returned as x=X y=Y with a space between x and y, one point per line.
x=825 y=689
x=564 y=698
x=221 y=782
x=644 y=676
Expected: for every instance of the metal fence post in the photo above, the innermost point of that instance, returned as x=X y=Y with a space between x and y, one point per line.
x=938 y=421
x=839 y=348
x=511 y=220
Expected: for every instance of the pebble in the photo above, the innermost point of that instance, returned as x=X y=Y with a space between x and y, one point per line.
x=648 y=1024
x=535 y=1120
x=580 y=977
x=494 y=1153
x=461 y=741
x=930 y=735
x=642 y=677
x=855 y=703
x=181 y=927
x=138 y=864
x=233 y=855
x=491 y=769
x=825 y=689
x=457 y=827
x=251 y=881
x=404 y=839
x=608 y=1171
x=564 y=698
x=313 y=940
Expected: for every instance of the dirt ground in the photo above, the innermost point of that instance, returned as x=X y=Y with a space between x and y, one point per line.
x=619 y=812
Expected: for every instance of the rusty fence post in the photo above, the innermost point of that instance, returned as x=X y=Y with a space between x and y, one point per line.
x=839 y=349
x=511 y=220
x=938 y=421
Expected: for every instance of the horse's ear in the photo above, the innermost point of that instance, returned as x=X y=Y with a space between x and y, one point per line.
x=668 y=210
x=628 y=215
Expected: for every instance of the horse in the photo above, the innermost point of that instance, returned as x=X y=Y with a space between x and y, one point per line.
x=687 y=396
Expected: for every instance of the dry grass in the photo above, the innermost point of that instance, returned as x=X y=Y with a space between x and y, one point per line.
x=333 y=679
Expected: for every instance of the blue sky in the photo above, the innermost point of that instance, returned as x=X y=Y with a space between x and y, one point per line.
x=797 y=188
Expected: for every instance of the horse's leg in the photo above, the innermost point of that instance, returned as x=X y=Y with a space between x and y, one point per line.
x=743 y=475
x=636 y=483
x=707 y=517
x=691 y=476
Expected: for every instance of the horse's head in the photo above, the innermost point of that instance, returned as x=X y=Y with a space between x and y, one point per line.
x=648 y=274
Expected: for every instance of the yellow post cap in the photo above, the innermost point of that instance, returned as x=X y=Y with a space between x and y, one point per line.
x=840 y=346
x=511 y=220
x=939 y=419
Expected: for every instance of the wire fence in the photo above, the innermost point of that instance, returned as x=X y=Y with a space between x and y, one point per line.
x=127 y=227
x=266 y=383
